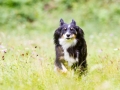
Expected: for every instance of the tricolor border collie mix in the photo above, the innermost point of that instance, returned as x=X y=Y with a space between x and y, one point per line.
x=70 y=46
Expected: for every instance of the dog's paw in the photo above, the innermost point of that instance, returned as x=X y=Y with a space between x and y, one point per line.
x=64 y=71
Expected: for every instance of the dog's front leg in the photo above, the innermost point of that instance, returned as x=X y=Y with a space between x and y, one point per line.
x=59 y=66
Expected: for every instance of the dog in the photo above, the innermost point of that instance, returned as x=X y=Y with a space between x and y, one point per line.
x=70 y=47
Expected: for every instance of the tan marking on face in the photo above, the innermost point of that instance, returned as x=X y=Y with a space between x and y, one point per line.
x=73 y=36
x=63 y=36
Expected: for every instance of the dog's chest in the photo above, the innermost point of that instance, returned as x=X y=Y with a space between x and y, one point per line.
x=70 y=59
x=65 y=45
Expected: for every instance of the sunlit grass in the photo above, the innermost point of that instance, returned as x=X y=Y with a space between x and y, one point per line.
x=27 y=62
x=27 y=50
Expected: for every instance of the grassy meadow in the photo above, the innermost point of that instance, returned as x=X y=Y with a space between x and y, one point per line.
x=27 y=50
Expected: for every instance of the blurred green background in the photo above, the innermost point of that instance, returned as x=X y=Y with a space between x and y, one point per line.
x=44 y=15
x=27 y=51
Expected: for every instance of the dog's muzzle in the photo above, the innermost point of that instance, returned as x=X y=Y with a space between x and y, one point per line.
x=68 y=36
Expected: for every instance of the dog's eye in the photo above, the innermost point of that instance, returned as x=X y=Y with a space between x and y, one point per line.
x=71 y=28
x=65 y=28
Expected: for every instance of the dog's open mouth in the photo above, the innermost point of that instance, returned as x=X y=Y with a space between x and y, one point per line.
x=72 y=36
x=68 y=38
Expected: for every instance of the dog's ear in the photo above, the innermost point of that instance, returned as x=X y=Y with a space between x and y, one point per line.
x=73 y=22
x=57 y=35
x=61 y=22
x=79 y=32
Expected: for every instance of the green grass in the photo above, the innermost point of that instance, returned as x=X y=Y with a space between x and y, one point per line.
x=27 y=50
x=28 y=63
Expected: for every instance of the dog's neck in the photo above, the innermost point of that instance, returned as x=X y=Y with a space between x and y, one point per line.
x=67 y=43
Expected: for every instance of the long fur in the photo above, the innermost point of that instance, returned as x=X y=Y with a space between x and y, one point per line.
x=79 y=50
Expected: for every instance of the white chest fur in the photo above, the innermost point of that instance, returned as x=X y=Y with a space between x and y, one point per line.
x=69 y=59
x=66 y=44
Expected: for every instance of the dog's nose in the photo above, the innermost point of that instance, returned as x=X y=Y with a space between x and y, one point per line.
x=68 y=35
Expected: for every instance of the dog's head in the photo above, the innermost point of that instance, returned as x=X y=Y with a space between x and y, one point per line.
x=68 y=31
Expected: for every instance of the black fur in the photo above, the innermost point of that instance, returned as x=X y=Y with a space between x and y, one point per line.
x=80 y=49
